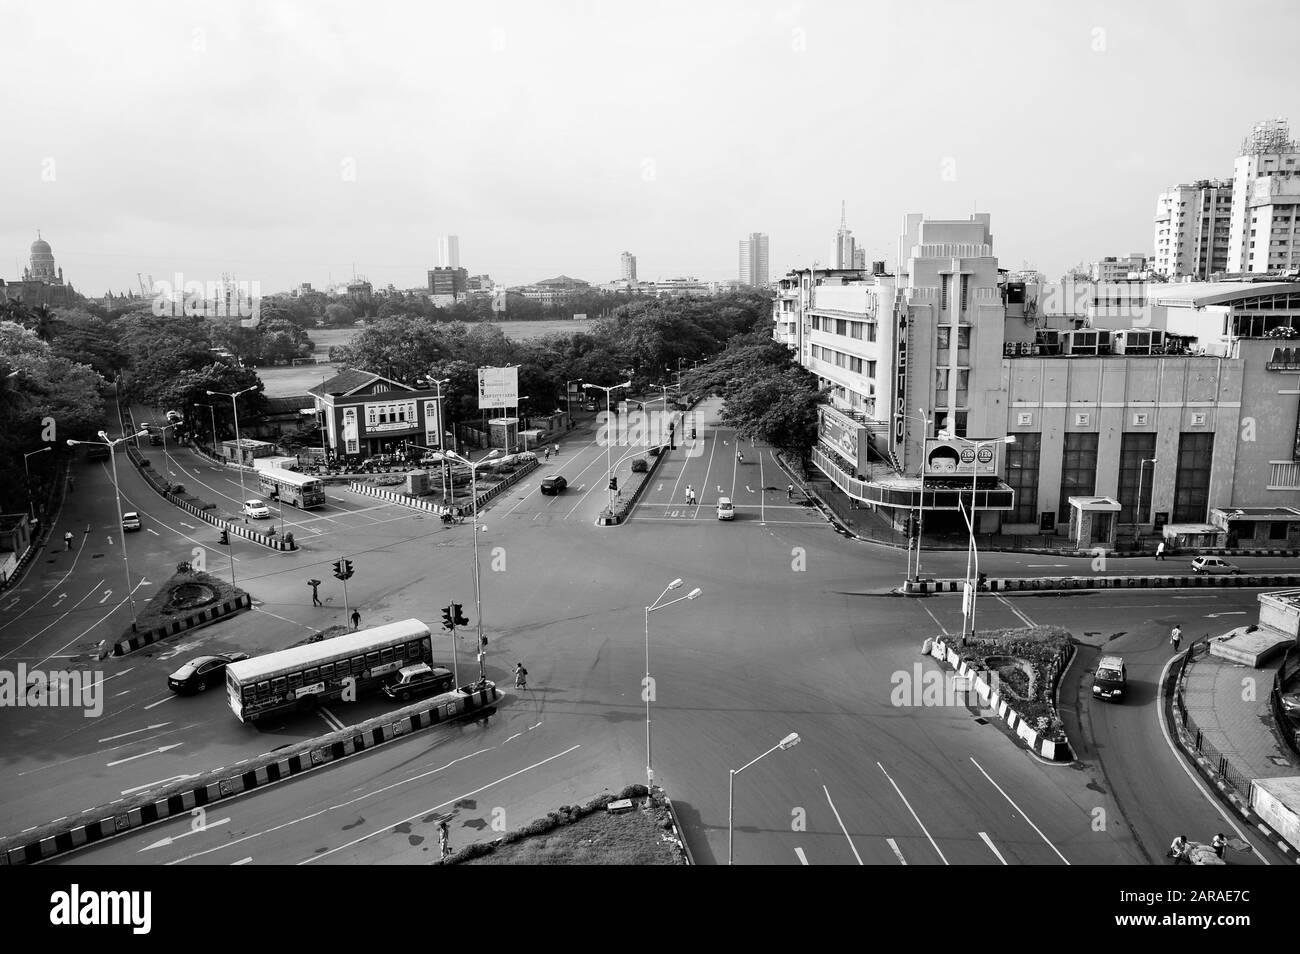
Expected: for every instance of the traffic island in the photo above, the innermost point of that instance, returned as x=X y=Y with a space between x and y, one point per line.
x=183 y=796
x=186 y=601
x=631 y=828
x=1015 y=673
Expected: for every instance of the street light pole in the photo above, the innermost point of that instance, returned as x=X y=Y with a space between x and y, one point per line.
x=31 y=510
x=645 y=686
x=568 y=396
x=239 y=447
x=920 y=521
x=609 y=467
x=789 y=742
x=478 y=593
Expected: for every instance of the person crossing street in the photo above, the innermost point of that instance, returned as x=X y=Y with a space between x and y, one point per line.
x=315 y=597
x=1175 y=637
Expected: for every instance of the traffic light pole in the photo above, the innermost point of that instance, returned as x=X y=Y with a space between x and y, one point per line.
x=455 y=654
x=347 y=617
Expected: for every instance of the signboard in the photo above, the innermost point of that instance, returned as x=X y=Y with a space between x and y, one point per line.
x=432 y=424
x=944 y=458
x=498 y=388
x=846 y=438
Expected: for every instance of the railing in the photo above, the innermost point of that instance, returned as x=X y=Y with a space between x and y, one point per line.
x=1223 y=769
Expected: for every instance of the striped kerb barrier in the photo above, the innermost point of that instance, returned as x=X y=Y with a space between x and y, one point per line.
x=273 y=769
x=1059 y=583
x=415 y=503
x=202 y=617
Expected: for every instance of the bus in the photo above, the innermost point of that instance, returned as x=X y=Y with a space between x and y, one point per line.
x=303 y=677
x=301 y=490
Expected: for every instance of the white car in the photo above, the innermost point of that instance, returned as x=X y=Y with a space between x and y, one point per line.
x=1212 y=564
x=130 y=520
x=256 y=509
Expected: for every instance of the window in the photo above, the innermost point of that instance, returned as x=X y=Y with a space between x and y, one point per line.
x=943 y=292
x=963 y=338
x=1277 y=530
x=871 y=369
x=1022 y=476
x=871 y=331
x=943 y=337
x=841 y=327
x=959 y=426
x=855 y=365
x=965 y=293
x=1192 y=481
x=855 y=330
x=1078 y=471
x=1134 y=476
x=941 y=381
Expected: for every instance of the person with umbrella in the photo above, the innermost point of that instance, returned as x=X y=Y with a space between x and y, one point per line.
x=315 y=598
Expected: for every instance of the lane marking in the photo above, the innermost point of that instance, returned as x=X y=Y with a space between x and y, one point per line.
x=1018 y=809
x=159 y=702
x=852 y=847
x=164 y=842
x=802 y=858
x=164 y=781
x=942 y=629
x=1019 y=615
x=915 y=816
x=897 y=854
x=148 y=728
x=330 y=719
x=243 y=861
x=993 y=849
x=132 y=758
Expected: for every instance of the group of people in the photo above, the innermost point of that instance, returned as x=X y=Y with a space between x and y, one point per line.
x=1181 y=849
x=690 y=495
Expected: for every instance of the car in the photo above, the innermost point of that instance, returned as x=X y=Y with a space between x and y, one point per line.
x=554 y=484
x=1211 y=564
x=130 y=520
x=256 y=509
x=418 y=680
x=725 y=509
x=1111 y=678
x=202 y=672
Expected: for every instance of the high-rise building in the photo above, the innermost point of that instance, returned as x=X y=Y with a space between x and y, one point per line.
x=449 y=251
x=860 y=258
x=1191 y=229
x=1113 y=268
x=629 y=266
x=448 y=285
x=753 y=260
x=1265 y=198
x=844 y=250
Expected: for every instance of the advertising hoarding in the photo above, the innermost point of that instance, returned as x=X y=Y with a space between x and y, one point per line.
x=498 y=388
x=946 y=458
x=844 y=437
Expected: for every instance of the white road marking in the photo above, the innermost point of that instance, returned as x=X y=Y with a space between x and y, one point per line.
x=1035 y=566
x=1018 y=809
x=132 y=758
x=159 y=702
x=915 y=817
x=243 y=861
x=164 y=842
x=187 y=526
x=993 y=849
x=942 y=628
x=331 y=719
x=148 y=728
x=897 y=854
x=110 y=539
x=852 y=847
x=107 y=594
x=152 y=530
x=157 y=784
x=803 y=860
x=1019 y=615
x=1233 y=613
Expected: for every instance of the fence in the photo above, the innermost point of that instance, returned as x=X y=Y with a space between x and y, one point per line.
x=1287 y=726
x=1224 y=771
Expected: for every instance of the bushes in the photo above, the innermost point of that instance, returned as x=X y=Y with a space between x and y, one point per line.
x=640 y=465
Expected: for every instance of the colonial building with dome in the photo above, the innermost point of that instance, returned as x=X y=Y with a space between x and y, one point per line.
x=42 y=282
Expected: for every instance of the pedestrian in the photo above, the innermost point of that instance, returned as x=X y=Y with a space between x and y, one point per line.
x=1160 y=551
x=521 y=676
x=557 y=450
x=789 y=492
x=315 y=599
x=1179 y=851
x=1219 y=844
x=740 y=458
x=1175 y=637
x=67 y=539
x=444 y=839
x=547 y=454
x=356 y=619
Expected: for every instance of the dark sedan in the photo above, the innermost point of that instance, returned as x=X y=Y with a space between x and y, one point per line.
x=202 y=672
x=554 y=485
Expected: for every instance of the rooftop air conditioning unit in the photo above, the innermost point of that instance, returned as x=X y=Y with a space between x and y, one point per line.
x=1009 y=349
x=1086 y=343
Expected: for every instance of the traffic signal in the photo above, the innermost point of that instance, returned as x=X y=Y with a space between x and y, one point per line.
x=613 y=483
x=338 y=570
x=458 y=616
x=347 y=569
x=448 y=621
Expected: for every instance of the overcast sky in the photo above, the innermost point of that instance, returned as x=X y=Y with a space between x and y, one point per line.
x=290 y=142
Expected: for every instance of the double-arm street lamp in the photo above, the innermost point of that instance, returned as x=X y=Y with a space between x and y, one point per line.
x=239 y=448
x=105 y=441
x=789 y=742
x=31 y=510
x=478 y=596
x=609 y=439
x=645 y=687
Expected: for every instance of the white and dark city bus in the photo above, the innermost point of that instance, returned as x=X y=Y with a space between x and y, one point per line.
x=301 y=490
x=303 y=677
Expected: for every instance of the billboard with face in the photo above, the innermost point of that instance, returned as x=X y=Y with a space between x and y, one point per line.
x=948 y=458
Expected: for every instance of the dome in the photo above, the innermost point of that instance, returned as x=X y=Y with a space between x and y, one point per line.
x=41 y=247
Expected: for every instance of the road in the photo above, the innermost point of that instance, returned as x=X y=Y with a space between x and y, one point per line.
x=793 y=632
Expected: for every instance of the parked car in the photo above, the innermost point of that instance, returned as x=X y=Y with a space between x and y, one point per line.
x=418 y=680
x=1111 y=678
x=202 y=672
x=130 y=520
x=554 y=484
x=1211 y=564
x=256 y=509
x=725 y=509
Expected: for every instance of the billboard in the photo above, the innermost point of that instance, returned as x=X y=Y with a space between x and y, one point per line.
x=944 y=458
x=844 y=436
x=498 y=388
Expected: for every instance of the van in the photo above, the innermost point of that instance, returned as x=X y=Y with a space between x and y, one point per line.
x=725 y=510
x=1111 y=679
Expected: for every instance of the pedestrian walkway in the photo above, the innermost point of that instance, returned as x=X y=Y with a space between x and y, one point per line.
x=1237 y=728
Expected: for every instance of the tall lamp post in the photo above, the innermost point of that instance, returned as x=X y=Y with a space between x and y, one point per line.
x=212 y=416
x=609 y=467
x=789 y=742
x=920 y=520
x=478 y=596
x=31 y=510
x=520 y=420
x=645 y=687
x=117 y=495
x=234 y=402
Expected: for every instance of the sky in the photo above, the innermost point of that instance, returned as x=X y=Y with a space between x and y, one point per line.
x=288 y=142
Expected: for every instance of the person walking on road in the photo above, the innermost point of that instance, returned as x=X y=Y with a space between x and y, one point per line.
x=521 y=676
x=1160 y=551
x=315 y=598
x=1175 y=637
x=444 y=839
x=1219 y=844
x=546 y=454
x=67 y=539
x=356 y=619
x=789 y=492
x=557 y=450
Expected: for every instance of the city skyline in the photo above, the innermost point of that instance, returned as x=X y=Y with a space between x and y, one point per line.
x=536 y=199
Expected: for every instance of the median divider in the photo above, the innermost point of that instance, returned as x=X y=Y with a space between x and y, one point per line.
x=193 y=621
x=1066 y=583
x=524 y=468
x=183 y=797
